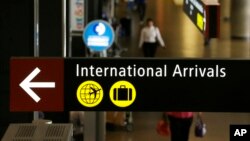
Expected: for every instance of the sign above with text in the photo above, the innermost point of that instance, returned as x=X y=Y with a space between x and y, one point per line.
x=205 y=15
x=107 y=84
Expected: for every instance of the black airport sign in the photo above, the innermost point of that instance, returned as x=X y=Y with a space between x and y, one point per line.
x=205 y=15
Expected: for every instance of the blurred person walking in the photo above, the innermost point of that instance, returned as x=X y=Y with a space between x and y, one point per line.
x=130 y=5
x=149 y=39
x=180 y=123
x=141 y=6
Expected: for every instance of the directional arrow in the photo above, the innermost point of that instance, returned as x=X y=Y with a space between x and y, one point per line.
x=26 y=85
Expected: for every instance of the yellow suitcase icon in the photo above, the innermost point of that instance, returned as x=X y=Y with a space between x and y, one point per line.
x=122 y=93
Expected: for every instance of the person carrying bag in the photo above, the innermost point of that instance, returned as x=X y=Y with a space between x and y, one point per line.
x=200 y=129
x=149 y=39
x=162 y=127
x=177 y=125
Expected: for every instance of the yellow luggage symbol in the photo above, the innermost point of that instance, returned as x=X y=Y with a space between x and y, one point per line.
x=122 y=93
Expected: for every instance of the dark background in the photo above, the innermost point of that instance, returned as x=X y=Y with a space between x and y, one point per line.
x=16 y=39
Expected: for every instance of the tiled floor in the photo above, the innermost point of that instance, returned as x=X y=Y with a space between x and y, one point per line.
x=183 y=41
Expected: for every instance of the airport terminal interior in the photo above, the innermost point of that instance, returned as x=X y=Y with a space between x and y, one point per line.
x=182 y=39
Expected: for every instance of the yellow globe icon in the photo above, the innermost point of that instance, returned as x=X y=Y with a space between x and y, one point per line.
x=90 y=93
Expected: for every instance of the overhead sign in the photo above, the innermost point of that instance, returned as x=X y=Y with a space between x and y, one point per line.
x=77 y=84
x=98 y=35
x=37 y=85
x=205 y=15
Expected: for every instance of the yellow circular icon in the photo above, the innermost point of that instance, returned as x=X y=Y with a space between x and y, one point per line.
x=90 y=93
x=122 y=93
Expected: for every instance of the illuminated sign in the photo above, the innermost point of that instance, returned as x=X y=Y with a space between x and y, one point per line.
x=98 y=35
x=205 y=16
x=127 y=84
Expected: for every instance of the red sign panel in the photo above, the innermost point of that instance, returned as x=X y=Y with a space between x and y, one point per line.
x=36 y=84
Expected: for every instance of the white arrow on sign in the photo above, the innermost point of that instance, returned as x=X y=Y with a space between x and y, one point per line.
x=26 y=85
